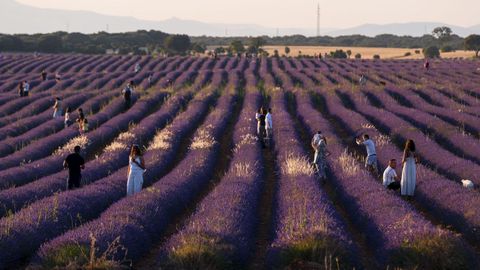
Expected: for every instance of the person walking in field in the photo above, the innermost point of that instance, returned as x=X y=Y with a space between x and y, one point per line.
x=319 y=145
x=269 y=124
x=409 y=172
x=426 y=65
x=127 y=95
x=20 y=89
x=26 y=88
x=57 y=108
x=80 y=119
x=260 y=117
x=58 y=77
x=136 y=168
x=84 y=126
x=137 y=68
x=390 y=178
x=75 y=164
x=67 y=120
x=44 y=75
x=371 y=160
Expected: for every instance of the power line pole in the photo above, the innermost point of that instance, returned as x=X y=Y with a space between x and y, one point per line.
x=318 y=19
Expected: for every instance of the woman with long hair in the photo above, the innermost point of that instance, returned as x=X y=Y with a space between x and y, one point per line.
x=409 y=172
x=136 y=168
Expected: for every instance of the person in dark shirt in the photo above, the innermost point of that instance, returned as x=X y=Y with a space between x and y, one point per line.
x=44 y=75
x=75 y=163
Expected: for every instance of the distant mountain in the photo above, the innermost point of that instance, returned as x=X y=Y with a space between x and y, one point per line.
x=19 y=18
x=403 y=29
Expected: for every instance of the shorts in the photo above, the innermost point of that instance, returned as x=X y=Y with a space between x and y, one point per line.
x=371 y=161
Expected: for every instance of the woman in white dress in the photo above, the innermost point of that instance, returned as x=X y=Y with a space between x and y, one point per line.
x=136 y=169
x=409 y=172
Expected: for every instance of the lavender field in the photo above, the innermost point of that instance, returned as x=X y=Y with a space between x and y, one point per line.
x=213 y=197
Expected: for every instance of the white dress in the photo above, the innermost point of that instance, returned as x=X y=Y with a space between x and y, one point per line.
x=409 y=176
x=135 y=177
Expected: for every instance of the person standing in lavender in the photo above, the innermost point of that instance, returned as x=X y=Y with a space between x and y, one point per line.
x=371 y=160
x=67 y=120
x=409 y=172
x=269 y=124
x=57 y=107
x=319 y=145
x=20 y=89
x=26 y=88
x=75 y=164
x=260 y=117
x=44 y=75
x=136 y=168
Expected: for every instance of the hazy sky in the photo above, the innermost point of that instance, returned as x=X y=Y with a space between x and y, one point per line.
x=283 y=13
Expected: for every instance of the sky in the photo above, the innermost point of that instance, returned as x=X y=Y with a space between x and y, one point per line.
x=283 y=13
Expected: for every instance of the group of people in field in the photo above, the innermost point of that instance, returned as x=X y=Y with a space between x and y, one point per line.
x=391 y=181
x=75 y=162
x=136 y=164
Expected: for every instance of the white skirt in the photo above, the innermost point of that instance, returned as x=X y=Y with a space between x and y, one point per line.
x=409 y=177
x=134 y=182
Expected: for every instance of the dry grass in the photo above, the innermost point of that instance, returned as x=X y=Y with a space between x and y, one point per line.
x=297 y=166
x=203 y=139
x=366 y=52
x=162 y=140
x=119 y=143
x=81 y=141
x=348 y=164
x=243 y=169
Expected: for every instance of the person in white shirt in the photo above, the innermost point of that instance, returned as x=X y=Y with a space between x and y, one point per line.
x=371 y=160
x=26 y=88
x=137 y=68
x=390 y=178
x=319 y=145
x=269 y=124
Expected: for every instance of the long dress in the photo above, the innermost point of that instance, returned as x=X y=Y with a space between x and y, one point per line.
x=135 y=177
x=409 y=176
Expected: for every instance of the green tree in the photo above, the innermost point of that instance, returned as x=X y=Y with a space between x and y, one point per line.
x=255 y=44
x=376 y=56
x=275 y=53
x=443 y=33
x=50 y=44
x=349 y=53
x=338 y=54
x=236 y=46
x=287 y=50
x=472 y=42
x=431 y=52
x=198 y=47
x=358 y=56
x=177 y=43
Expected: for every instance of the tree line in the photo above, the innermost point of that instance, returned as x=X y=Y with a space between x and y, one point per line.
x=152 y=42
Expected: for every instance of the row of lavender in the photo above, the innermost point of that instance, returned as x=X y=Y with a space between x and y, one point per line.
x=54 y=215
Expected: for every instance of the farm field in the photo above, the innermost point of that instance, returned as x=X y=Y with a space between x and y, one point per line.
x=366 y=52
x=213 y=197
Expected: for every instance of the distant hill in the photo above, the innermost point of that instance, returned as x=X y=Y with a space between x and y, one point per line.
x=403 y=29
x=20 y=18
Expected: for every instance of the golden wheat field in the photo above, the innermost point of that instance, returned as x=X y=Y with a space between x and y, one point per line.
x=366 y=52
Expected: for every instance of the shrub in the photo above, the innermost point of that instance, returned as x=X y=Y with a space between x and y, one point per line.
x=376 y=56
x=358 y=56
x=407 y=54
x=417 y=51
x=431 y=52
x=338 y=54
